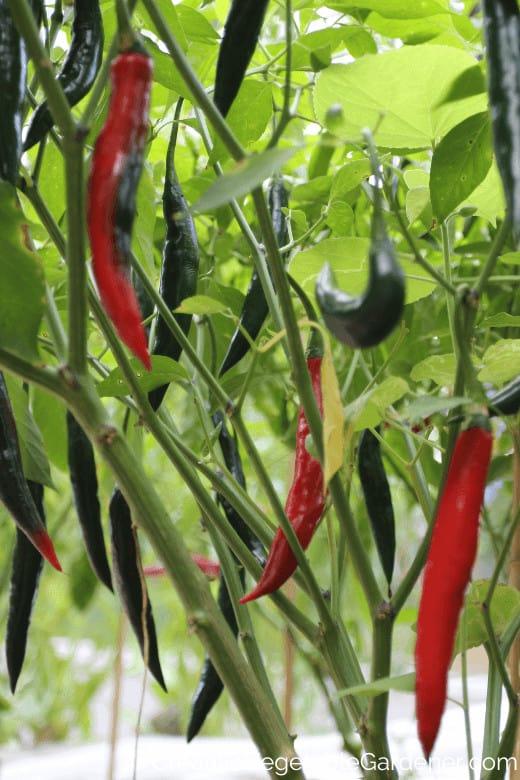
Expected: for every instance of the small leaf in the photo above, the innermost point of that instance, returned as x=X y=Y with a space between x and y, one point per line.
x=201 y=304
x=501 y=362
x=426 y=405
x=22 y=291
x=501 y=320
x=245 y=177
x=460 y=163
x=437 y=368
x=164 y=370
x=34 y=457
x=369 y=409
x=418 y=205
x=505 y=605
x=511 y=258
x=333 y=422
x=405 y=683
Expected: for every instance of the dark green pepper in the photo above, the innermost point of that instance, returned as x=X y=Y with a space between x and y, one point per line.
x=80 y=68
x=507 y=400
x=502 y=34
x=210 y=686
x=128 y=576
x=180 y=265
x=238 y=44
x=82 y=469
x=13 y=56
x=366 y=320
x=255 y=308
x=378 y=499
x=25 y=575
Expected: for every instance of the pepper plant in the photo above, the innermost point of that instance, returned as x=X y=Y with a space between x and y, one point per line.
x=375 y=118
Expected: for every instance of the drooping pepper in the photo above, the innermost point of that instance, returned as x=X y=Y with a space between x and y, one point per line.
x=378 y=499
x=82 y=470
x=305 y=502
x=255 y=308
x=25 y=575
x=180 y=265
x=79 y=69
x=210 y=685
x=366 y=320
x=502 y=34
x=14 y=492
x=127 y=576
x=238 y=44
x=13 y=56
x=116 y=166
x=448 y=568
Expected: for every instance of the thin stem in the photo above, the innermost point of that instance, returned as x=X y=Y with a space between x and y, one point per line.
x=24 y=19
x=446 y=253
x=76 y=262
x=286 y=115
x=410 y=240
x=494 y=253
x=465 y=701
x=55 y=324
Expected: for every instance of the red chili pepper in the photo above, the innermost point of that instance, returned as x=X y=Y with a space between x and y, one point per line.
x=448 y=568
x=116 y=166
x=304 y=506
x=210 y=568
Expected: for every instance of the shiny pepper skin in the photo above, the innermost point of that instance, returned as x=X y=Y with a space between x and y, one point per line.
x=448 y=568
x=304 y=506
x=118 y=150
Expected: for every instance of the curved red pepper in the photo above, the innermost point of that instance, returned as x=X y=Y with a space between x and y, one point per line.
x=448 y=568
x=120 y=142
x=304 y=506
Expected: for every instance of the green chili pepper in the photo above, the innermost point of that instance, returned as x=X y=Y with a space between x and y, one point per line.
x=25 y=575
x=368 y=319
x=130 y=580
x=80 y=68
x=507 y=400
x=378 y=499
x=502 y=34
x=210 y=686
x=13 y=72
x=180 y=265
x=255 y=308
x=82 y=469
x=238 y=44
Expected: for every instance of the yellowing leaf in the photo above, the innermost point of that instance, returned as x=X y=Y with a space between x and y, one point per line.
x=333 y=434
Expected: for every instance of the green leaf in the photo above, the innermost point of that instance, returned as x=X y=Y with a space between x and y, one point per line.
x=418 y=205
x=369 y=409
x=405 y=683
x=22 y=291
x=460 y=163
x=488 y=197
x=505 y=605
x=164 y=370
x=501 y=362
x=437 y=368
x=201 y=304
x=82 y=582
x=34 y=458
x=245 y=177
x=426 y=405
x=501 y=320
x=49 y=415
x=349 y=177
x=398 y=94
x=511 y=258
x=247 y=125
x=397 y=9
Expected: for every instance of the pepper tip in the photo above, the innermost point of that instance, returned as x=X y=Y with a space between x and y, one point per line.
x=43 y=543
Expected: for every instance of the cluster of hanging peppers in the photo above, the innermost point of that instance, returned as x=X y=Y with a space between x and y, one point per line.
x=360 y=322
